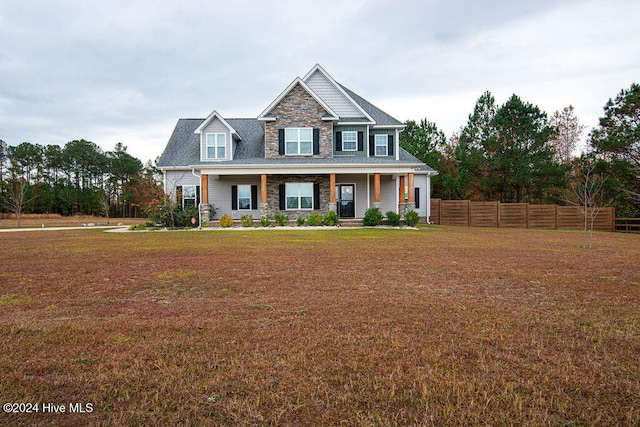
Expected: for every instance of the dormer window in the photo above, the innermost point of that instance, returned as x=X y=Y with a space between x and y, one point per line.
x=216 y=146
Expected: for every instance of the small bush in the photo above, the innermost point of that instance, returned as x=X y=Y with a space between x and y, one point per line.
x=330 y=218
x=183 y=218
x=265 y=220
x=281 y=219
x=411 y=218
x=372 y=217
x=314 y=220
x=393 y=219
x=226 y=221
x=300 y=221
x=247 y=220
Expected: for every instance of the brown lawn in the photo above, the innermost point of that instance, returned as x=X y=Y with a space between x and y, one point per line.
x=442 y=326
x=55 y=220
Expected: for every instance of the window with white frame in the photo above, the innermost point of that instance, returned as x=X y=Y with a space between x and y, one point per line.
x=244 y=197
x=381 y=145
x=298 y=141
x=188 y=196
x=349 y=141
x=216 y=145
x=299 y=196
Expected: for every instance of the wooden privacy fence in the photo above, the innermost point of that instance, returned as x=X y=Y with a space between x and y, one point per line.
x=628 y=225
x=466 y=213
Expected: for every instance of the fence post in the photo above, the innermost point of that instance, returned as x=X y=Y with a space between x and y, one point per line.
x=613 y=219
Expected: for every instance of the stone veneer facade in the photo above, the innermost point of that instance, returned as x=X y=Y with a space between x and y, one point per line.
x=298 y=109
x=273 y=194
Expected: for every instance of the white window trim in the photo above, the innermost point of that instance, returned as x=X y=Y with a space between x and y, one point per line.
x=376 y=145
x=215 y=145
x=195 y=195
x=299 y=196
x=244 y=209
x=356 y=140
x=298 y=153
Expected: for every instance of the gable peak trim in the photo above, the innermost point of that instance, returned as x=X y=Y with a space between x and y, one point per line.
x=322 y=71
x=298 y=81
x=211 y=118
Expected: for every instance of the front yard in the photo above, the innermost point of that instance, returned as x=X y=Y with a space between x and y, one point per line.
x=440 y=326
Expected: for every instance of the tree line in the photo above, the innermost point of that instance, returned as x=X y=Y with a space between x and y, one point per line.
x=79 y=178
x=515 y=153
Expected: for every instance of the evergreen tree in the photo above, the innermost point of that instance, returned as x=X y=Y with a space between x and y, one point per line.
x=474 y=168
x=617 y=140
x=426 y=142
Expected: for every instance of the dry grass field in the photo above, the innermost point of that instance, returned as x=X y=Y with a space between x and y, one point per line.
x=441 y=326
x=55 y=220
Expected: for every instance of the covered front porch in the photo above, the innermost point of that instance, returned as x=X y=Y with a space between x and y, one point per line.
x=348 y=194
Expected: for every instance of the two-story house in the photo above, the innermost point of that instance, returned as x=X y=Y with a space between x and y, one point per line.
x=317 y=147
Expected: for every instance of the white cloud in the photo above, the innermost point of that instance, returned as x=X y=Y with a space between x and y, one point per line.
x=127 y=70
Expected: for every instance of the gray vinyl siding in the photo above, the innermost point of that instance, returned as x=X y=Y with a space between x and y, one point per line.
x=420 y=181
x=388 y=201
x=350 y=153
x=332 y=96
x=220 y=194
x=173 y=179
x=360 y=182
x=216 y=126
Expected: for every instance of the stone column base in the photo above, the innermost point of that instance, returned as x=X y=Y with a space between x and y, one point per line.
x=264 y=209
x=205 y=211
x=375 y=205
x=402 y=209
x=333 y=207
x=411 y=206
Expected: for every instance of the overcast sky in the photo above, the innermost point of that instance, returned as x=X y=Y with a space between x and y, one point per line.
x=126 y=71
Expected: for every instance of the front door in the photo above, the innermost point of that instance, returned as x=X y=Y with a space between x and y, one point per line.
x=346 y=200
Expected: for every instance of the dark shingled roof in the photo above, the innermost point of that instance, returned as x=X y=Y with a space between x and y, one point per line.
x=183 y=148
x=381 y=118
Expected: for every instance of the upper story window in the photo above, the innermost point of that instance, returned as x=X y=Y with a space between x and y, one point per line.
x=216 y=146
x=381 y=145
x=349 y=141
x=298 y=141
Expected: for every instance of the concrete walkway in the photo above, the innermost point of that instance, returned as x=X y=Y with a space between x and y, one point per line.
x=12 y=230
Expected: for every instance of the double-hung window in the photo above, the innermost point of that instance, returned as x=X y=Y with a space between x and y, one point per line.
x=216 y=145
x=298 y=141
x=381 y=145
x=299 y=196
x=244 y=197
x=188 y=196
x=349 y=141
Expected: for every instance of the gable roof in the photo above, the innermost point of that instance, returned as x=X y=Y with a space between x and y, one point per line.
x=183 y=149
x=331 y=92
x=211 y=118
x=380 y=117
x=266 y=114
